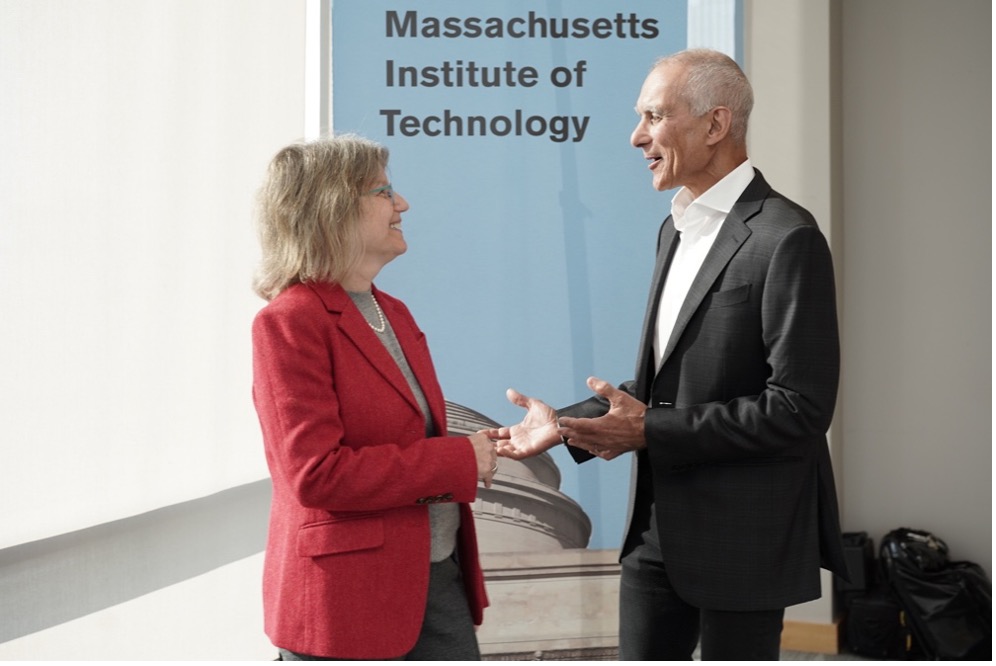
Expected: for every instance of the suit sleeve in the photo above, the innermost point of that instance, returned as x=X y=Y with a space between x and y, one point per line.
x=795 y=404
x=294 y=389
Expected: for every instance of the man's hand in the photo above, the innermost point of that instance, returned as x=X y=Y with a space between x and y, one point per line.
x=618 y=431
x=535 y=434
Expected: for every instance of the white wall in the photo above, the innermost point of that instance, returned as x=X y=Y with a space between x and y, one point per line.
x=216 y=617
x=791 y=141
x=133 y=136
x=877 y=116
x=917 y=381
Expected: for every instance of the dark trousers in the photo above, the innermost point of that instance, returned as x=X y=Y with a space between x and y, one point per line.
x=655 y=623
x=448 y=632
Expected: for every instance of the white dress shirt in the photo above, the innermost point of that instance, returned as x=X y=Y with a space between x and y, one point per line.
x=698 y=223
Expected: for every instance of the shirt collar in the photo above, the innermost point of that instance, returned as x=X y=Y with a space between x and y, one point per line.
x=715 y=203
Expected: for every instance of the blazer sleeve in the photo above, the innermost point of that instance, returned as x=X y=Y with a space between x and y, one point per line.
x=297 y=375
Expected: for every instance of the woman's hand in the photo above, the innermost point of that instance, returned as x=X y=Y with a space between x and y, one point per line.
x=535 y=434
x=487 y=457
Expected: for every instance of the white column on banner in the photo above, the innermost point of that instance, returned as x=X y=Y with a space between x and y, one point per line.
x=712 y=24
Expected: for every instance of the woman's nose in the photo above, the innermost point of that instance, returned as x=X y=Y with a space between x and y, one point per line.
x=400 y=202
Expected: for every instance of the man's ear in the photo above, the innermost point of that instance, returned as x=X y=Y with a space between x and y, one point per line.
x=720 y=119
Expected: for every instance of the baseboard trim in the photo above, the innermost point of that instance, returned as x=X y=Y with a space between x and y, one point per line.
x=811 y=637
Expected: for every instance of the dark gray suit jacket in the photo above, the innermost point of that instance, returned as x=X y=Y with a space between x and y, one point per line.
x=739 y=468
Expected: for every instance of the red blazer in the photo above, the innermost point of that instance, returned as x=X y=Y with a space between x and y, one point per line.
x=347 y=557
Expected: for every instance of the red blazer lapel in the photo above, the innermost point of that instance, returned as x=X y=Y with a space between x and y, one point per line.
x=354 y=326
x=416 y=351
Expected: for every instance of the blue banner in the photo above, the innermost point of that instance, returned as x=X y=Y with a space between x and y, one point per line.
x=533 y=221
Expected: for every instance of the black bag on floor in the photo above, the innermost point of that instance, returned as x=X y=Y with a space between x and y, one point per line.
x=948 y=604
x=877 y=627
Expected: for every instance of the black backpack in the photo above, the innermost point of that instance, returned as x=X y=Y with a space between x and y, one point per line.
x=948 y=604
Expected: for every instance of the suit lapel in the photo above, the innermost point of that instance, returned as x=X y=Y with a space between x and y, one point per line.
x=731 y=236
x=667 y=243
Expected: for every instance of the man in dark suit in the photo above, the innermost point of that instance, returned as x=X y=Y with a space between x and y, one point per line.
x=734 y=509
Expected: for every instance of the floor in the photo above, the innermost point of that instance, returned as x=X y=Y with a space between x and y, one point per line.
x=609 y=654
x=788 y=655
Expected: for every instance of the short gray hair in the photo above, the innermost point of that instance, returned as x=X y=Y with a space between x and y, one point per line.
x=714 y=79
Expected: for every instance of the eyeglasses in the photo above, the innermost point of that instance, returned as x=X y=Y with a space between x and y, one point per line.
x=384 y=189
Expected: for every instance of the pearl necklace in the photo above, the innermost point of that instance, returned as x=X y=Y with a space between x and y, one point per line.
x=380 y=314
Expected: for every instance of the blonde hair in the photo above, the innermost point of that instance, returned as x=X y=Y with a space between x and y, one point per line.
x=714 y=79
x=308 y=211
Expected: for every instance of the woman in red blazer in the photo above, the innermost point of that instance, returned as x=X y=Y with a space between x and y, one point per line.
x=371 y=551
